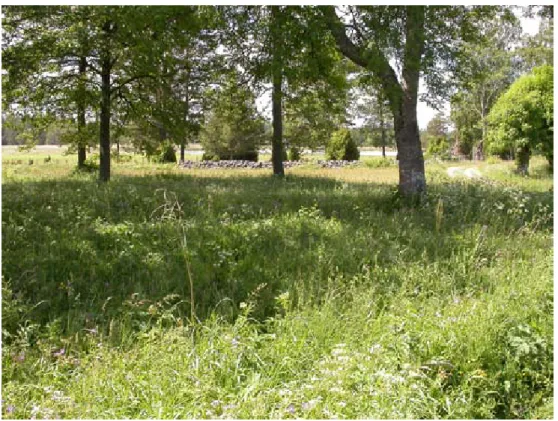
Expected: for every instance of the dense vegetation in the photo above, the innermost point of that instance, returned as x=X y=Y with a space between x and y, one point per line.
x=205 y=294
x=523 y=118
x=153 y=286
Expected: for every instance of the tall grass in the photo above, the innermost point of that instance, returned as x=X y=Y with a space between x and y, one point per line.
x=192 y=294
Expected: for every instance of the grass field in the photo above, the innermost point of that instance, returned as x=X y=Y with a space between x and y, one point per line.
x=171 y=293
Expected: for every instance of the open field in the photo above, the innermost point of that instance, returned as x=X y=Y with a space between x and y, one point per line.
x=172 y=293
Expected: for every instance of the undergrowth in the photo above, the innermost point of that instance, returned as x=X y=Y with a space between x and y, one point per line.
x=177 y=296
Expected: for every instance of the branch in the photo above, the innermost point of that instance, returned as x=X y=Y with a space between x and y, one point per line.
x=130 y=80
x=414 y=48
x=371 y=58
x=344 y=44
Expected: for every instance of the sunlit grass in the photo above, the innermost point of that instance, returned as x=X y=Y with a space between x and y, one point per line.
x=320 y=295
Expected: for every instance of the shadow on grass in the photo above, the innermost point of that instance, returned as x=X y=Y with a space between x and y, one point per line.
x=83 y=249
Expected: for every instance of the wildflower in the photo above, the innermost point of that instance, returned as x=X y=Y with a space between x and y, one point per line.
x=374 y=348
x=10 y=409
x=342 y=404
x=59 y=353
x=57 y=395
x=216 y=403
x=291 y=408
x=234 y=342
x=243 y=305
x=19 y=358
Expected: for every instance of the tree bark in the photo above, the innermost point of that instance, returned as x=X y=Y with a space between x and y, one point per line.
x=104 y=143
x=412 y=181
x=383 y=128
x=277 y=97
x=182 y=150
x=82 y=155
x=522 y=158
x=402 y=96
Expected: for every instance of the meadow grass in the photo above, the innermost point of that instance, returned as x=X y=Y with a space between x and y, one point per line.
x=172 y=293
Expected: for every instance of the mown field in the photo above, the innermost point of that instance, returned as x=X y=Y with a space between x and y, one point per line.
x=173 y=293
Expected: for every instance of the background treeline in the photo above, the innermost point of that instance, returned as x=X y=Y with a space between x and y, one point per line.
x=157 y=78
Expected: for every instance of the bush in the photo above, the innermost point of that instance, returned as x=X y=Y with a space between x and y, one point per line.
x=438 y=146
x=294 y=154
x=233 y=129
x=91 y=164
x=341 y=146
x=380 y=162
x=522 y=119
x=168 y=154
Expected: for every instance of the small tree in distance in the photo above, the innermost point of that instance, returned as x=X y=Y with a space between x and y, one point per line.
x=341 y=146
x=523 y=117
x=234 y=129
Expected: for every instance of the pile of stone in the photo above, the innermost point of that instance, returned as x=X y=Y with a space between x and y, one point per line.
x=235 y=164
x=338 y=164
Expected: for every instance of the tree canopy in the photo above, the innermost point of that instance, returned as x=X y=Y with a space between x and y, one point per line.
x=522 y=119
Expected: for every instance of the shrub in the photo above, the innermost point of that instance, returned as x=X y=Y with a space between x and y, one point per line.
x=91 y=164
x=234 y=129
x=522 y=119
x=294 y=154
x=341 y=146
x=168 y=154
x=438 y=146
x=380 y=162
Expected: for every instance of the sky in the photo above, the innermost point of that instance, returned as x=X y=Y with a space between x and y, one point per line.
x=424 y=112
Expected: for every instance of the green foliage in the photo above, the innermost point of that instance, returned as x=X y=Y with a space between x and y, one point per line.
x=438 y=146
x=380 y=162
x=285 y=277
x=234 y=130
x=489 y=67
x=341 y=146
x=168 y=154
x=294 y=154
x=522 y=119
x=436 y=137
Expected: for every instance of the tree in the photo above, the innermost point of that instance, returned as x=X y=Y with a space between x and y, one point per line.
x=171 y=107
x=489 y=69
x=108 y=48
x=313 y=111
x=414 y=40
x=233 y=130
x=46 y=61
x=436 y=136
x=538 y=50
x=341 y=146
x=283 y=46
x=373 y=107
x=522 y=119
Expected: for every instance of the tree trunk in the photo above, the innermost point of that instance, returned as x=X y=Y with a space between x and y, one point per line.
x=383 y=129
x=182 y=150
x=402 y=96
x=522 y=157
x=412 y=181
x=82 y=155
x=104 y=144
x=277 y=97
